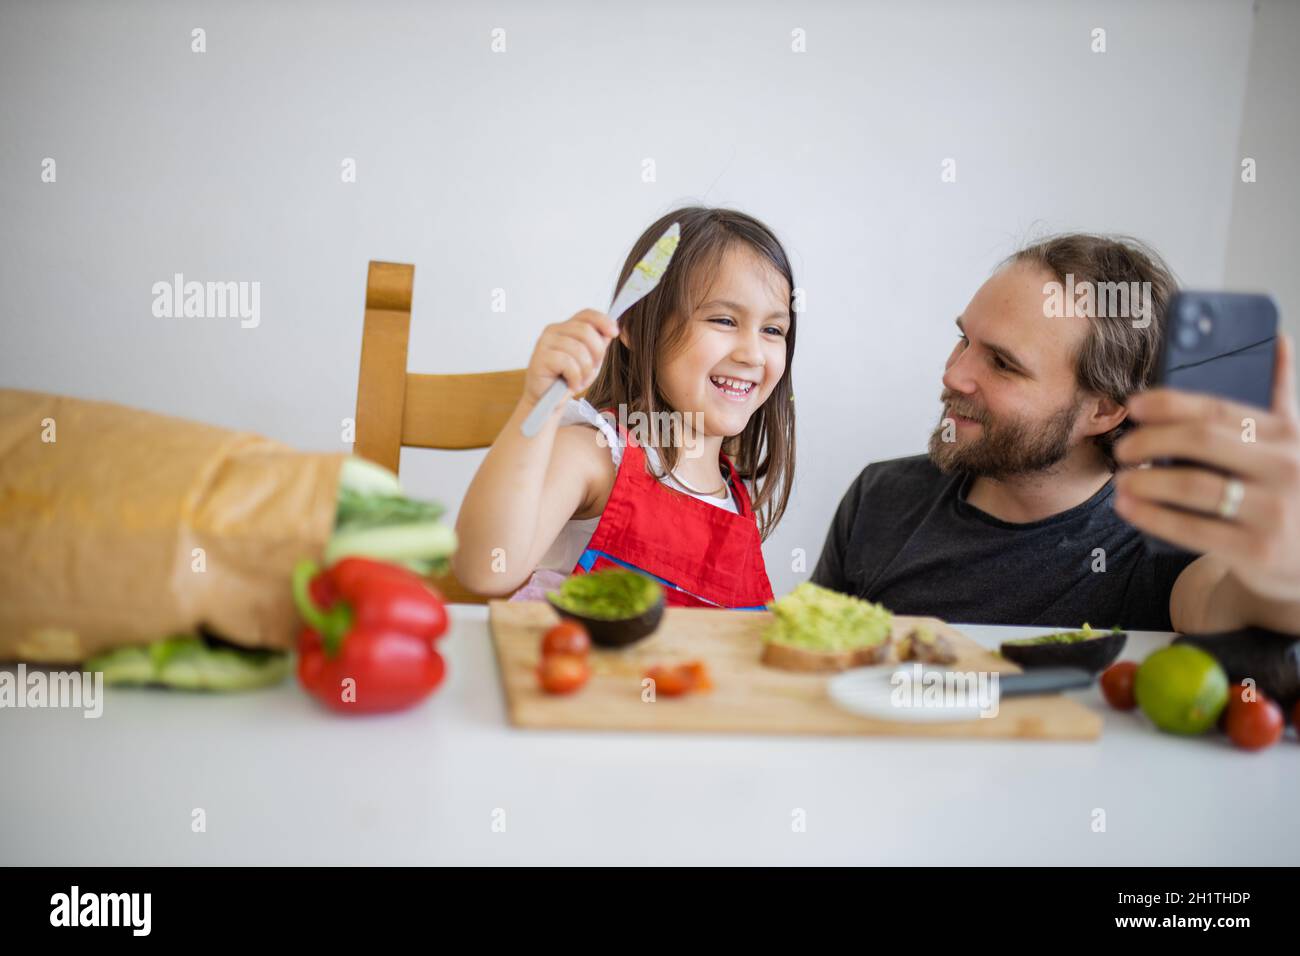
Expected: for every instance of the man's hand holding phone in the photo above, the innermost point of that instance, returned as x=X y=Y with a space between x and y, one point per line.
x=1244 y=509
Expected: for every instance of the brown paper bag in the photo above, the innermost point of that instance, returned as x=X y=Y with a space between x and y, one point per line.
x=119 y=526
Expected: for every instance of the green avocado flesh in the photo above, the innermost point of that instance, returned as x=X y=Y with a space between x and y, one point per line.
x=610 y=595
x=819 y=619
x=1068 y=637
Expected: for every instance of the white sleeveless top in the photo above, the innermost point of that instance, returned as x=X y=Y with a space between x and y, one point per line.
x=576 y=534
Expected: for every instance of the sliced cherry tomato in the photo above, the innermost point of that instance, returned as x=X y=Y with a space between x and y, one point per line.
x=1254 y=724
x=673 y=680
x=1117 y=685
x=562 y=673
x=700 y=674
x=567 y=637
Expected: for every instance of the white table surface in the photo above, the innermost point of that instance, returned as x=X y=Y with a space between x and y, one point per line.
x=283 y=782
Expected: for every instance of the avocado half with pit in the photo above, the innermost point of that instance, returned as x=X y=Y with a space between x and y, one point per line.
x=1086 y=649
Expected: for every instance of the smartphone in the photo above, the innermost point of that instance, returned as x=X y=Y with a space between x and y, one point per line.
x=1219 y=343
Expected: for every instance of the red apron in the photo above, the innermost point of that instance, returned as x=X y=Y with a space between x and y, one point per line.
x=703 y=555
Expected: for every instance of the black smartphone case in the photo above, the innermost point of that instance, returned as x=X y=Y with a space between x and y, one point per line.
x=1222 y=343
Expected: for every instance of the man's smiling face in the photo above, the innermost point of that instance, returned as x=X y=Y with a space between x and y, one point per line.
x=1009 y=387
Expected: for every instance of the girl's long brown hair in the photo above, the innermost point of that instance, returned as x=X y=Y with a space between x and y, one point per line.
x=656 y=326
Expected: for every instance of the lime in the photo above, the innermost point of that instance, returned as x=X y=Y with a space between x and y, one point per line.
x=1182 y=689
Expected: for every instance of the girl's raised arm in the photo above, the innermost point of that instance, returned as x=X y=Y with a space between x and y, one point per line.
x=527 y=488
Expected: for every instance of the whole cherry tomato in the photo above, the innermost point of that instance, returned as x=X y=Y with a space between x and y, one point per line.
x=1117 y=685
x=1254 y=724
x=1240 y=692
x=567 y=637
x=562 y=673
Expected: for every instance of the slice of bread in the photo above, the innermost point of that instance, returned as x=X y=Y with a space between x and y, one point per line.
x=790 y=658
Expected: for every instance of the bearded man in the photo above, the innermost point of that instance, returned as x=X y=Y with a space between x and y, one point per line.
x=1025 y=511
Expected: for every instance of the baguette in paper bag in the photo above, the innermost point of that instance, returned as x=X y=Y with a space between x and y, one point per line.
x=120 y=526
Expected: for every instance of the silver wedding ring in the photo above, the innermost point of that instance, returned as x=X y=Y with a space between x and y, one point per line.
x=1230 y=503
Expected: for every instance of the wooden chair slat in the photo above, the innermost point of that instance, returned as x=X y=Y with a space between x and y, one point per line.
x=381 y=382
x=459 y=411
x=397 y=408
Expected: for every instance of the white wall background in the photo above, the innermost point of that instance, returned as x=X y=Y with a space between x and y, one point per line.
x=522 y=170
x=1262 y=247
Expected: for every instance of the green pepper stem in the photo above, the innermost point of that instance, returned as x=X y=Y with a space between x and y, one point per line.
x=303 y=572
x=331 y=624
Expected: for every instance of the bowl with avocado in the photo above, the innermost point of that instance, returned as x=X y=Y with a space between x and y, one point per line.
x=1087 y=649
x=616 y=607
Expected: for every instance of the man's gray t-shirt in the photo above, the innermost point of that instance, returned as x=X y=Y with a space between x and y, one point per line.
x=905 y=536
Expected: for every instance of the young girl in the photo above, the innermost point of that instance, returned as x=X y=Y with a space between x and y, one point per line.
x=688 y=398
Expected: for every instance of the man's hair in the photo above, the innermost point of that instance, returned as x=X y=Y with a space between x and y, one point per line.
x=1119 y=352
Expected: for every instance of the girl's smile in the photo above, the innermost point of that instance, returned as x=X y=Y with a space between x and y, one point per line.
x=735 y=389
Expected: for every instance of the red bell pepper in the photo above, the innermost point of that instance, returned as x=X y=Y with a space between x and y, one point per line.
x=368 y=643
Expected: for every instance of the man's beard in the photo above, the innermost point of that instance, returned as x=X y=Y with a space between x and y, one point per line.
x=1003 y=448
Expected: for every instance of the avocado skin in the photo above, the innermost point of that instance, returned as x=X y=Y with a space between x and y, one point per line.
x=616 y=633
x=1270 y=658
x=1092 y=655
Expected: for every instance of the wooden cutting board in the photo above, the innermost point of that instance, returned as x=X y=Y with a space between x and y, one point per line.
x=748 y=697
